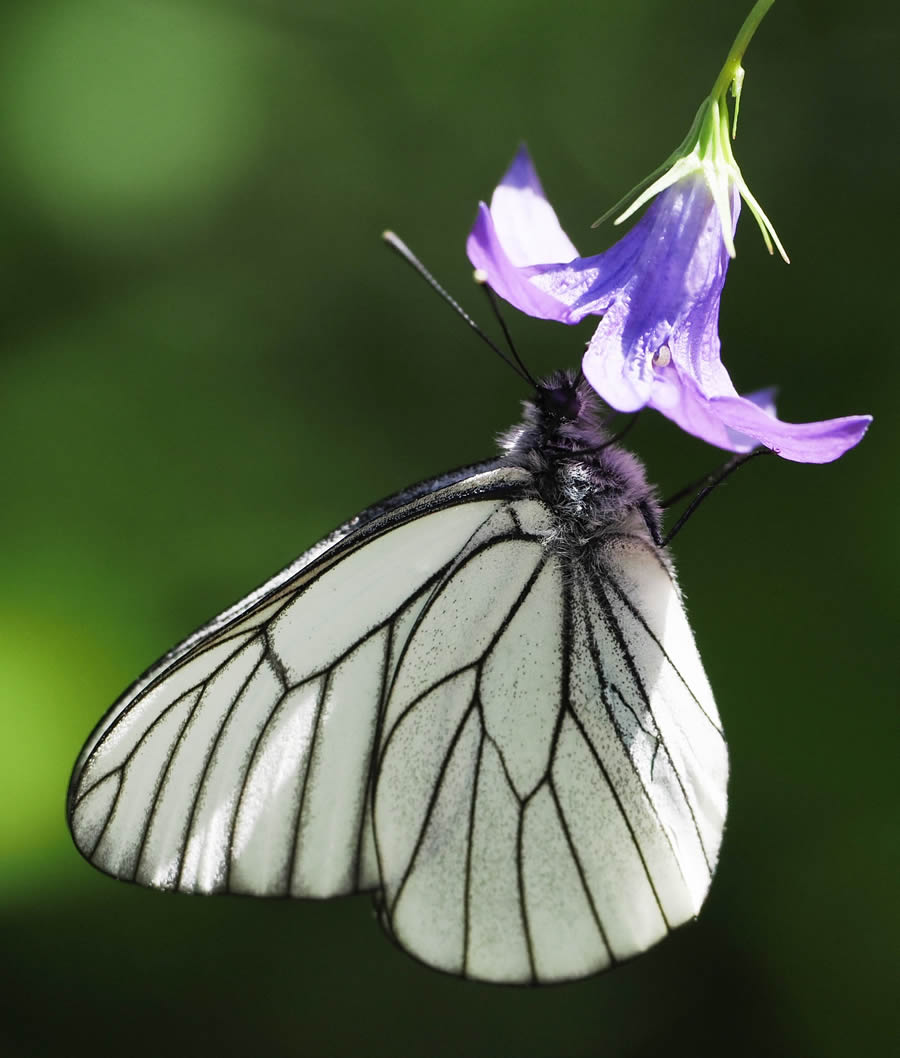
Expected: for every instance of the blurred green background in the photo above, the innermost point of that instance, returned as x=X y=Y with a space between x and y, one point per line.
x=209 y=360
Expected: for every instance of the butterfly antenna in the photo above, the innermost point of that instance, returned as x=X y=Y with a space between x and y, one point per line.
x=481 y=278
x=399 y=247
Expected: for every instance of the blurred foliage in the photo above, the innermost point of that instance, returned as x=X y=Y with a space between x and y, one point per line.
x=209 y=360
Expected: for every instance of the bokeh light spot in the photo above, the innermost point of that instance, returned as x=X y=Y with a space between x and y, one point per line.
x=114 y=116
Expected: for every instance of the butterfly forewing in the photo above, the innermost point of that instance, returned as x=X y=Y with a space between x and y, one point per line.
x=241 y=762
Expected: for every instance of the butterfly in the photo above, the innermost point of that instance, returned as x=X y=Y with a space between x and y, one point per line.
x=479 y=700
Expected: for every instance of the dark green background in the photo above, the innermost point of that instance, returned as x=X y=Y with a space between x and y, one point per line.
x=209 y=360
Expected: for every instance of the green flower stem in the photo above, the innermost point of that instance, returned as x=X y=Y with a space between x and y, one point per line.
x=730 y=72
x=706 y=152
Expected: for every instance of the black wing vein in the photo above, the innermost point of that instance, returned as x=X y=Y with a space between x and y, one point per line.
x=628 y=657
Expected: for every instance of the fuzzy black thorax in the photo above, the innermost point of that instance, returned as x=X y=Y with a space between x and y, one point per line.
x=591 y=484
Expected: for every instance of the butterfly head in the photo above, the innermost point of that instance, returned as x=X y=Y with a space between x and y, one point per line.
x=568 y=412
x=559 y=399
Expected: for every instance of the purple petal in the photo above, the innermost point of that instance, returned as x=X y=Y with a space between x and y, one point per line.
x=623 y=378
x=530 y=262
x=658 y=290
x=738 y=424
x=762 y=398
x=590 y=286
x=525 y=223
x=511 y=283
x=806 y=442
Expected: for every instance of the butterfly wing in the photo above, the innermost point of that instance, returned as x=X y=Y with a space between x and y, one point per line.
x=517 y=748
x=550 y=793
x=241 y=761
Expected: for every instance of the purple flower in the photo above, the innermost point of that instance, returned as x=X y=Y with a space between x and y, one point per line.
x=657 y=291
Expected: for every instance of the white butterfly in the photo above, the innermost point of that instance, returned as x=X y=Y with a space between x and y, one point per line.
x=479 y=700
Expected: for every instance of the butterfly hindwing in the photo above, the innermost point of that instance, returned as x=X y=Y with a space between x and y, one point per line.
x=550 y=794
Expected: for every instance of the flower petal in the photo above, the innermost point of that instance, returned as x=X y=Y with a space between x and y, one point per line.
x=590 y=286
x=658 y=290
x=525 y=222
x=623 y=381
x=511 y=283
x=738 y=424
x=805 y=442
x=762 y=398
